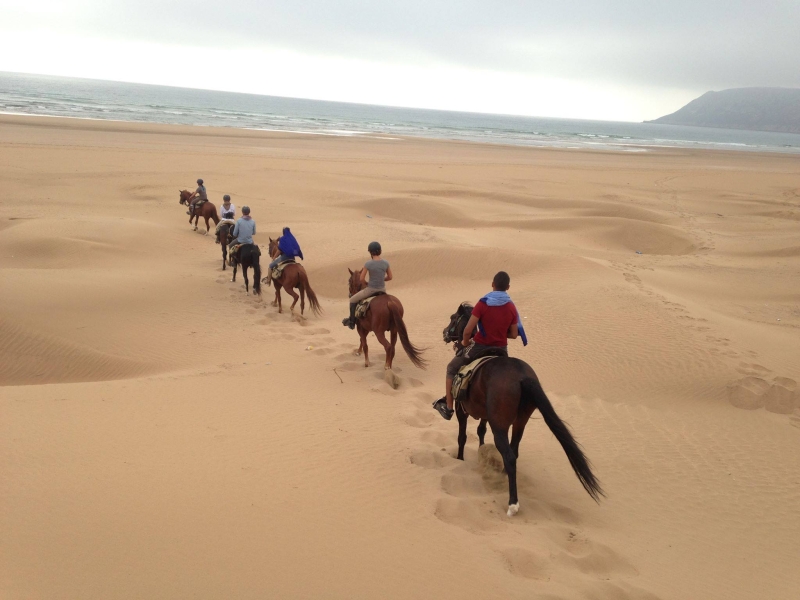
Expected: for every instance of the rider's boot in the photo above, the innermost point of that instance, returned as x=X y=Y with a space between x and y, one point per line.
x=441 y=406
x=351 y=320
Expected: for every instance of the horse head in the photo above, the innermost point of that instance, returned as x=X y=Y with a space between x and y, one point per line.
x=273 y=248
x=184 y=196
x=354 y=282
x=454 y=331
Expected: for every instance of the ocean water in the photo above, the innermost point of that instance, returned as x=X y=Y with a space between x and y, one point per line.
x=92 y=99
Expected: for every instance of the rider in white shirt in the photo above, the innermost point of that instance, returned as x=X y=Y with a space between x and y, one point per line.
x=227 y=210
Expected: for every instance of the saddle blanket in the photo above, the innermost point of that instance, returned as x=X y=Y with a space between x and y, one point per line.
x=278 y=270
x=225 y=222
x=465 y=374
x=363 y=306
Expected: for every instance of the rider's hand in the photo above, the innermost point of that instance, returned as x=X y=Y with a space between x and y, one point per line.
x=466 y=342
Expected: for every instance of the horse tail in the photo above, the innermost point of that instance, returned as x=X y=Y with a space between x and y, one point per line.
x=532 y=392
x=414 y=353
x=312 y=297
x=214 y=215
x=256 y=270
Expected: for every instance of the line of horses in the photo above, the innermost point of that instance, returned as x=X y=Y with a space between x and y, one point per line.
x=504 y=392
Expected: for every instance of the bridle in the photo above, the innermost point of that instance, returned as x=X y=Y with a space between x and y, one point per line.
x=458 y=322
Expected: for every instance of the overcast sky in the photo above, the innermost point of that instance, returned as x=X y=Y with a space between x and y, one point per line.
x=612 y=59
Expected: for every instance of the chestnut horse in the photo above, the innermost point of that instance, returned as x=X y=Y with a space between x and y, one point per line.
x=505 y=392
x=293 y=277
x=385 y=314
x=224 y=237
x=207 y=210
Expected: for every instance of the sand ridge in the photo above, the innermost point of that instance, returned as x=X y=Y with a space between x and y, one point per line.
x=167 y=435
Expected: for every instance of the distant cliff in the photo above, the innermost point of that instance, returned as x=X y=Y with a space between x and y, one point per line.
x=760 y=109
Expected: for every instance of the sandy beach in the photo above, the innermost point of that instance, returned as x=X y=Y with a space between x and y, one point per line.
x=165 y=435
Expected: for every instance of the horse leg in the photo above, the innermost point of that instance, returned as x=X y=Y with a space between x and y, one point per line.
x=386 y=346
x=482 y=432
x=302 y=298
x=235 y=267
x=290 y=291
x=363 y=335
x=246 y=280
x=510 y=463
x=393 y=344
x=195 y=221
x=463 y=417
x=516 y=433
x=278 y=287
x=208 y=227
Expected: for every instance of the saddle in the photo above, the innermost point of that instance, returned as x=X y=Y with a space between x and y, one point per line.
x=278 y=270
x=233 y=252
x=363 y=306
x=465 y=374
x=195 y=205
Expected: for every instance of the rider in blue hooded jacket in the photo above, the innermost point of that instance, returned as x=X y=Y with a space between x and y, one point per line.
x=289 y=248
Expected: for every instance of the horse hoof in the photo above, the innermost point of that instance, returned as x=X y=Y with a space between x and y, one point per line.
x=513 y=509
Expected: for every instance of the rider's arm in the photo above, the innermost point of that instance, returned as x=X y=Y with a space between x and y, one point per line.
x=388 y=274
x=513 y=332
x=363 y=276
x=471 y=324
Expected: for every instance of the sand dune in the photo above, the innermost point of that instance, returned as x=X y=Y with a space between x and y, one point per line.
x=164 y=435
x=30 y=359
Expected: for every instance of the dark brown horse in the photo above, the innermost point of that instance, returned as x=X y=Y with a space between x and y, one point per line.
x=248 y=255
x=224 y=237
x=293 y=277
x=385 y=314
x=207 y=210
x=505 y=392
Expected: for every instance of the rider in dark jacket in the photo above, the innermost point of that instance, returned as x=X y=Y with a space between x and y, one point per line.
x=289 y=248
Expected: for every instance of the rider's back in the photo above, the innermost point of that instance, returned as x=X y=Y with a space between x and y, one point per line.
x=495 y=321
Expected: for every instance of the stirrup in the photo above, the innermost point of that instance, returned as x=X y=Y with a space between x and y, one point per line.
x=441 y=406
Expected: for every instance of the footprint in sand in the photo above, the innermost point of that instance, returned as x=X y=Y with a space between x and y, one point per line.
x=420 y=419
x=431 y=459
x=779 y=396
x=526 y=564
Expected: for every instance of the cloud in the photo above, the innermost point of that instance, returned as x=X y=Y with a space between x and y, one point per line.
x=687 y=45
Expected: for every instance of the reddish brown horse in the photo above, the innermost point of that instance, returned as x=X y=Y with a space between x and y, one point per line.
x=505 y=392
x=207 y=210
x=385 y=314
x=293 y=277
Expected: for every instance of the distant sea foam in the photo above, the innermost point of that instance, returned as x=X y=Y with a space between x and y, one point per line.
x=91 y=99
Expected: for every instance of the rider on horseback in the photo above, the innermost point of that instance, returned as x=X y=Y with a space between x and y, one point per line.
x=243 y=231
x=498 y=321
x=289 y=248
x=227 y=211
x=198 y=196
x=379 y=273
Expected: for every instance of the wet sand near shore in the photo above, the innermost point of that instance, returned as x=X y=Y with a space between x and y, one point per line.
x=165 y=435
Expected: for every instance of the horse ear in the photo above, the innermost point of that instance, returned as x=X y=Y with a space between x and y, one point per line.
x=348 y=268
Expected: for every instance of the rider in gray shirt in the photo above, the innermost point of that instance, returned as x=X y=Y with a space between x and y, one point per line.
x=245 y=228
x=379 y=273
